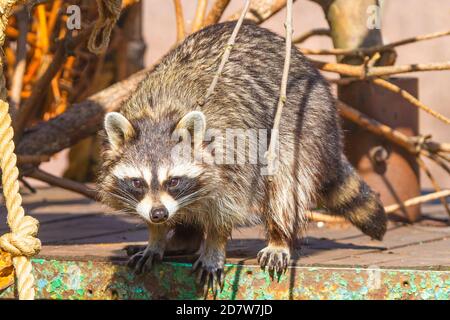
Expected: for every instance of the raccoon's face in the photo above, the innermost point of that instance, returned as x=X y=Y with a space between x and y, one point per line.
x=142 y=176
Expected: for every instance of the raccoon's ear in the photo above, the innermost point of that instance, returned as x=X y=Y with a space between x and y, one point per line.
x=118 y=129
x=195 y=122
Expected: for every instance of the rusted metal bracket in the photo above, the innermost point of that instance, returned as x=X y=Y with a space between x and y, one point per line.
x=57 y=279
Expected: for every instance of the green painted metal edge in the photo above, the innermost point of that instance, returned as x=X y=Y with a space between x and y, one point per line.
x=57 y=279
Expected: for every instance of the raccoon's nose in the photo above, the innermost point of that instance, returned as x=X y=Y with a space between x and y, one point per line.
x=159 y=214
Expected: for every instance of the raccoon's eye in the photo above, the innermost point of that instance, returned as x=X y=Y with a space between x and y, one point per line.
x=137 y=183
x=173 y=183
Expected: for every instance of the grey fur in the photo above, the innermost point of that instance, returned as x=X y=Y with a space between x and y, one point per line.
x=311 y=160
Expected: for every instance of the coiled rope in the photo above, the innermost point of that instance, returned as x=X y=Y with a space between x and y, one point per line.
x=21 y=242
x=108 y=14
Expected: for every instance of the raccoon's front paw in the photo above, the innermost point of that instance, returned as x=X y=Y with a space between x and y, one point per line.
x=275 y=258
x=144 y=260
x=210 y=271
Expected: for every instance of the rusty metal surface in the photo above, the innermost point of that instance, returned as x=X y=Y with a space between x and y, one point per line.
x=103 y=280
x=396 y=178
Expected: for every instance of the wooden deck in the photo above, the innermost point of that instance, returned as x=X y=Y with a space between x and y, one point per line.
x=75 y=229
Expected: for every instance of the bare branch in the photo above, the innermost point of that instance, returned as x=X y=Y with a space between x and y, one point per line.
x=216 y=12
x=21 y=63
x=80 y=121
x=311 y=33
x=34 y=159
x=329 y=217
x=410 y=98
x=40 y=88
x=180 y=20
x=414 y=145
x=228 y=48
x=433 y=182
x=439 y=160
x=74 y=186
x=325 y=217
x=199 y=15
x=379 y=48
x=365 y=72
x=418 y=200
x=261 y=10
x=271 y=153
x=376 y=127
x=361 y=73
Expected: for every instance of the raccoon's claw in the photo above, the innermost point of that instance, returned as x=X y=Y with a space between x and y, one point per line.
x=209 y=277
x=275 y=258
x=142 y=262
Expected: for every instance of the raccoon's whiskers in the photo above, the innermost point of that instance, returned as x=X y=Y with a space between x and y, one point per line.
x=124 y=211
x=188 y=199
x=127 y=195
x=124 y=199
x=127 y=200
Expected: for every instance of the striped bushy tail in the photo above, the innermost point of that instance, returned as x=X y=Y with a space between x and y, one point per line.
x=348 y=195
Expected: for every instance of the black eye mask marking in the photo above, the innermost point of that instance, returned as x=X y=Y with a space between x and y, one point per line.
x=136 y=187
x=184 y=187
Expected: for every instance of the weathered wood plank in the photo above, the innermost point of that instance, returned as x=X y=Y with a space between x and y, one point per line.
x=73 y=227
x=425 y=254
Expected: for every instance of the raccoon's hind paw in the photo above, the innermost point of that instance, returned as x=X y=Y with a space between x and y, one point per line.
x=209 y=275
x=275 y=258
x=142 y=262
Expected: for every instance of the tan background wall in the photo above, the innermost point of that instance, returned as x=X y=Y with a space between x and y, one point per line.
x=400 y=19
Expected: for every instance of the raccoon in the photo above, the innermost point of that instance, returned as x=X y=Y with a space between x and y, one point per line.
x=197 y=203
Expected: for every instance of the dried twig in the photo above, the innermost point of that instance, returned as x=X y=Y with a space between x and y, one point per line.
x=199 y=15
x=389 y=70
x=371 y=50
x=271 y=153
x=410 y=144
x=216 y=12
x=14 y=34
x=414 y=145
x=39 y=89
x=376 y=127
x=32 y=159
x=371 y=61
x=363 y=73
x=330 y=217
x=358 y=71
x=261 y=10
x=433 y=182
x=444 y=147
x=180 y=20
x=77 y=187
x=21 y=62
x=325 y=217
x=437 y=160
x=418 y=200
x=343 y=81
x=80 y=121
x=410 y=98
x=311 y=33
x=27 y=185
x=228 y=48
